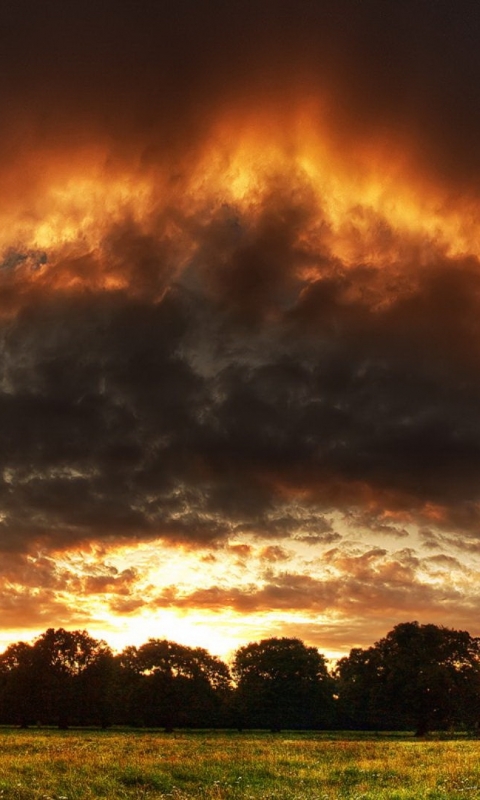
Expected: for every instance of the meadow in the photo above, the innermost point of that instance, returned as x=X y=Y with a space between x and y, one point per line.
x=74 y=765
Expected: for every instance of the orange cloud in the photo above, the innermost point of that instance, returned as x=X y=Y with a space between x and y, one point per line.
x=239 y=302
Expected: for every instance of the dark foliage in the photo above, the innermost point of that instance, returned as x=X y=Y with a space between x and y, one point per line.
x=281 y=683
x=423 y=677
x=420 y=677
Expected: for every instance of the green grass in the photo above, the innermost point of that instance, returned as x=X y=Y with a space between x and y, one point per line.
x=73 y=765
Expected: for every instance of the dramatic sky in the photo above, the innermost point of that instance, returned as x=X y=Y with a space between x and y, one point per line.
x=239 y=319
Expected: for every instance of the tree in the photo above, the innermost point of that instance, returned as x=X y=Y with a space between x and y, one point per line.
x=172 y=685
x=282 y=683
x=420 y=676
x=127 y=688
x=63 y=660
x=97 y=689
x=19 y=685
x=361 y=701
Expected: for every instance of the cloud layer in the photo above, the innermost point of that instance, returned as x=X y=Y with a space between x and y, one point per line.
x=239 y=294
x=193 y=408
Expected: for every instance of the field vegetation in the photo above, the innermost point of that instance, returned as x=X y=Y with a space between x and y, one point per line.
x=76 y=765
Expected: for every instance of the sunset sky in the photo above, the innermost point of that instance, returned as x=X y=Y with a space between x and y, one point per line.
x=239 y=319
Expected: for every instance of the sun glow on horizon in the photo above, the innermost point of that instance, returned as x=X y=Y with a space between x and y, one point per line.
x=250 y=588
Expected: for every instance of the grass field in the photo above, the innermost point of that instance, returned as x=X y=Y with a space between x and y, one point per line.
x=215 y=766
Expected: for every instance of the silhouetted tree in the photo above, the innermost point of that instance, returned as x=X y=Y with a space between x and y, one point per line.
x=97 y=689
x=62 y=661
x=420 y=676
x=19 y=688
x=282 y=683
x=171 y=685
x=127 y=688
x=360 y=691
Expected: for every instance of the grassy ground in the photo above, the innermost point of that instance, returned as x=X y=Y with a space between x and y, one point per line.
x=217 y=766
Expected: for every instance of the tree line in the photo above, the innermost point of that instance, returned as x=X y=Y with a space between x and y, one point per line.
x=420 y=677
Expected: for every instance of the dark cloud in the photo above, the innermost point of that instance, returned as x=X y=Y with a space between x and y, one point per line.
x=207 y=366
x=165 y=407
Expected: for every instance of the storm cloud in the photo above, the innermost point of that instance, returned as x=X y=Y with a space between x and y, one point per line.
x=240 y=289
x=185 y=417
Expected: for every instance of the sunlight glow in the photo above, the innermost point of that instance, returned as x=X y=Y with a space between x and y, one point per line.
x=369 y=207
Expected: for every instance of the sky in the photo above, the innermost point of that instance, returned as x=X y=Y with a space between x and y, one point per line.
x=239 y=319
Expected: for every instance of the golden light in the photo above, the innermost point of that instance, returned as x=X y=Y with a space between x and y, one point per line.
x=366 y=206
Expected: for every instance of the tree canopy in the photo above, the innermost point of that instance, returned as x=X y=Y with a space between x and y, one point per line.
x=421 y=676
x=282 y=683
x=418 y=677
